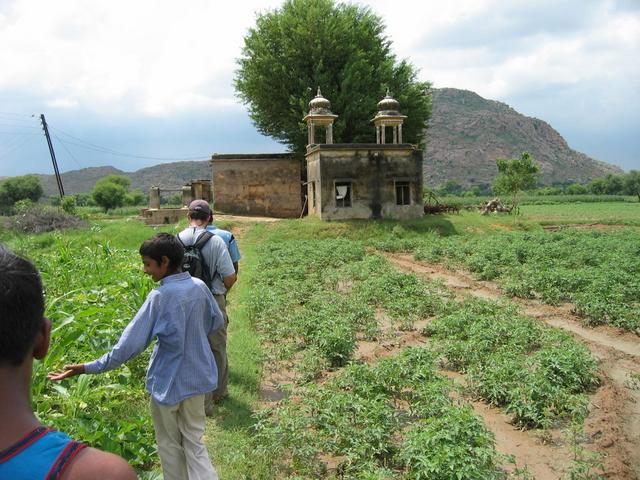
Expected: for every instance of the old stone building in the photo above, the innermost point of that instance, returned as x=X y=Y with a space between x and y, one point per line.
x=262 y=184
x=363 y=180
x=376 y=180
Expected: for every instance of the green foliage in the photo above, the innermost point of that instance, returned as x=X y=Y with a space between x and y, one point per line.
x=341 y=48
x=15 y=189
x=599 y=272
x=515 y=176
x=452 y=446
x=110 y=192
x=91 y=294
x=632 y=183
x=135 y=198
x=68 y=204
x=390 y=420
x=538 y=374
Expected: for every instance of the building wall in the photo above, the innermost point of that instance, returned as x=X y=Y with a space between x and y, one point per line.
x=373 y=171
x=267 y=184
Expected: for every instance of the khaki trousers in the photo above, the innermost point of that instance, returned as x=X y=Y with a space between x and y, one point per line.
x=179 y=432
x=218 y=344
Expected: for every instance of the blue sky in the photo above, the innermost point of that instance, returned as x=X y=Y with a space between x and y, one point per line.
x=153 y=78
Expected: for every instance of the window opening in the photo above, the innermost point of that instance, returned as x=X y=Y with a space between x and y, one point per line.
x=402 y=193
x=343 y=194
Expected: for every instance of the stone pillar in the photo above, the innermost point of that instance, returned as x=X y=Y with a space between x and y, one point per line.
x=186 y=195
x=154 y=198
x=197 y=190
x=330 y=134
x=383 y=129
x=378 y=134
x=312 y=128
x=400 y=133
x=395 y=135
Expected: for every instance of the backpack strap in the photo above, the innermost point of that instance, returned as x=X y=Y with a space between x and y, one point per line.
x=202 y=239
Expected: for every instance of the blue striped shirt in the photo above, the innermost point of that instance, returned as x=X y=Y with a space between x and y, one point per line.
x=180 y=313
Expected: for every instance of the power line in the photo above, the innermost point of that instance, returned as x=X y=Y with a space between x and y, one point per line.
x=68 y=151
x=15 y=146
x=98 y=148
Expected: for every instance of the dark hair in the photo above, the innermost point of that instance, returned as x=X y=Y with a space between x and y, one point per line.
x=21 y=307
x=163 y=245
x=196 y=215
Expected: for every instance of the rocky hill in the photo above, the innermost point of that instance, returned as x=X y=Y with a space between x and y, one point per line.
x=467 y=133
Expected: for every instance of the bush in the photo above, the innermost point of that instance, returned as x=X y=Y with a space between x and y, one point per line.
x=19 y=188
x=109 y=194
x=69 y=204
x=38 y=219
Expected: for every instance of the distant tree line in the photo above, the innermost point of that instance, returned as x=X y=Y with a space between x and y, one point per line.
x=20 y=193
x=622 y=184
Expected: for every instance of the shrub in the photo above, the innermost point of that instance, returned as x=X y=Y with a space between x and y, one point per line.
x=38 y=219
x=69 y=204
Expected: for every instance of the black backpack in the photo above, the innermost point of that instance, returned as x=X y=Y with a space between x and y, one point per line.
x=193 y=261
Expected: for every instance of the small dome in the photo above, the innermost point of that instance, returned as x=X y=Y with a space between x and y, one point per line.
x=319 y=104
x=389 y=105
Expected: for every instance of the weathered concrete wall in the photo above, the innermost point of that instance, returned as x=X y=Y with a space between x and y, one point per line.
x=372 y=171
x=267 y=184
x=163 y=216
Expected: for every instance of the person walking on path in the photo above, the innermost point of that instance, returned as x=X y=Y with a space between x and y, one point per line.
x=223 y=275
x=179 y=314
x=28 y=449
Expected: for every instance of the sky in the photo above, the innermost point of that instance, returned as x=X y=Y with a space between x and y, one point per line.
x=134 y=84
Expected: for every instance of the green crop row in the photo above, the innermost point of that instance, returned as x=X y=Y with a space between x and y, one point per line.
x=392 y=420
x=540 y=375
x=318 y=298
x=597 y=271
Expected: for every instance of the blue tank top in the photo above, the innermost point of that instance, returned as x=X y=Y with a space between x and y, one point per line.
x=42 y=454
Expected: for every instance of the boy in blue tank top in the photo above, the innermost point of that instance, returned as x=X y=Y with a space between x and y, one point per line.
x=29 y=450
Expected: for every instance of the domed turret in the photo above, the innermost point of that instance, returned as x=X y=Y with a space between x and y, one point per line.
x=319 y=105
x=319 y=116
x=388 y=116
x=389 y=105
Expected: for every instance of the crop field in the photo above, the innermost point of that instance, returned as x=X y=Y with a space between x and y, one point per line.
x=347 y=363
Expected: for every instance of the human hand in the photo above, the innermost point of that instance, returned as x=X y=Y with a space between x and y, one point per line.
x=67 y=371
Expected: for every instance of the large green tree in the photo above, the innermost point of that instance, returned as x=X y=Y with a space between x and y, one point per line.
x=20 y=188
x=110 y=192
x=342 y=49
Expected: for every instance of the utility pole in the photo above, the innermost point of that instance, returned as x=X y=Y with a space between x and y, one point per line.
x=53 y=155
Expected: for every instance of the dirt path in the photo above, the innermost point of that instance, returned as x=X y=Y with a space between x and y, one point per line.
x=613 y=423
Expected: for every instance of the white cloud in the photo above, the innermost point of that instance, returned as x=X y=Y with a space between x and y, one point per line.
x=155 y=56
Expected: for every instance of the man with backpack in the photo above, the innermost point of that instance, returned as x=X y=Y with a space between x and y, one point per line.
x=207 y=257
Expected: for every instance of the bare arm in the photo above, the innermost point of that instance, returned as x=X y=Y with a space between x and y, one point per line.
x=93 y=464
x=229 y=280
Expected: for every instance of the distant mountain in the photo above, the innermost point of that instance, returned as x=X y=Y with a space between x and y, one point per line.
x=467 y=133
x=167 y=175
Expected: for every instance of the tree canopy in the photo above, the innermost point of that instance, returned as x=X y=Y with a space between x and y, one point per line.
x=20 y=188
x=515 y=176
x=342 y=49
x=110 y=192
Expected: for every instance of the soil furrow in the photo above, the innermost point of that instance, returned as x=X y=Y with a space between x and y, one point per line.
x=613 y=423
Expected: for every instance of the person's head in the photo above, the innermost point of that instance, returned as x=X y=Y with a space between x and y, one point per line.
x=161 y=255
x=200 y=210
x=24 y=331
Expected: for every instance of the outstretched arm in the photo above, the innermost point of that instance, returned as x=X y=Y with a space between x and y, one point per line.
x=66 y=372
